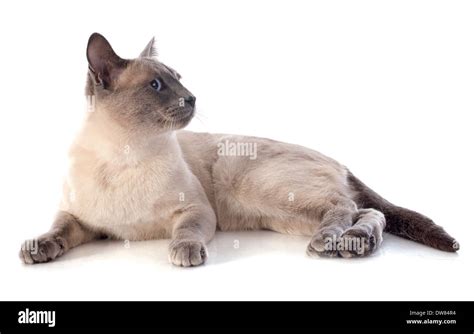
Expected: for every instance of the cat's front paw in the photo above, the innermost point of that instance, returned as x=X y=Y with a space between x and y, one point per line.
x=43 y=249
x=187 y=253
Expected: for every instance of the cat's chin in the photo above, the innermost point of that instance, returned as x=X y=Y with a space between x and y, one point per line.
x=183 y=119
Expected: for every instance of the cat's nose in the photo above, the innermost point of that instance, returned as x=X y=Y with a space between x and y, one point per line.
x=191 y=100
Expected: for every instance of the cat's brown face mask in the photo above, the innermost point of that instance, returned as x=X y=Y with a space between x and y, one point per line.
x=139 y=93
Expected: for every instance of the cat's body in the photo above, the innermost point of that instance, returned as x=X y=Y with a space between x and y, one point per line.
x=135 y=176
x=288 y=193
x=135 y=197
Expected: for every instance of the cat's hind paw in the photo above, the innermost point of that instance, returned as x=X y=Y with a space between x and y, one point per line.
x=354 y=242
x=359 y=243
x=318 y=246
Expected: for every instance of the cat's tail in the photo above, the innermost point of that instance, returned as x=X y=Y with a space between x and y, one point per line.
x=405 y=223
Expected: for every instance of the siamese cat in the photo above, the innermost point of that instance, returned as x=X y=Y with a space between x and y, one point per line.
x=135 y=175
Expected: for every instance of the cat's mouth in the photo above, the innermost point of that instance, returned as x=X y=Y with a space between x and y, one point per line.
x=180 y=115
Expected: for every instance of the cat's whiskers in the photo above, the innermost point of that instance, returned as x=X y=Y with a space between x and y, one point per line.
x=199 y=116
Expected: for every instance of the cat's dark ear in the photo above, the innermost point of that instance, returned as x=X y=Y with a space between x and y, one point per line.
x=104 y=64
x=150 y=50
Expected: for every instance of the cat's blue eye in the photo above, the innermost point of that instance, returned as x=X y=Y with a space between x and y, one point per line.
x=156 y=84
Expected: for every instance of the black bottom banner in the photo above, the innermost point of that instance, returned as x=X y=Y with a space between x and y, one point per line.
x=416 y=317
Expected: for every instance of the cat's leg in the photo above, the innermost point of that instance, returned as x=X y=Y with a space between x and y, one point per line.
x=365 y=236
x=348 y=232
x=191 y=231
x=67 y=232
x=335 y=221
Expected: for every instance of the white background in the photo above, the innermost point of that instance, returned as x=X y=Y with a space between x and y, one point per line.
x=385 y=87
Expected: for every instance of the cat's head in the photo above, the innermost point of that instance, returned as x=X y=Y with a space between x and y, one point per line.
x=140 y=93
